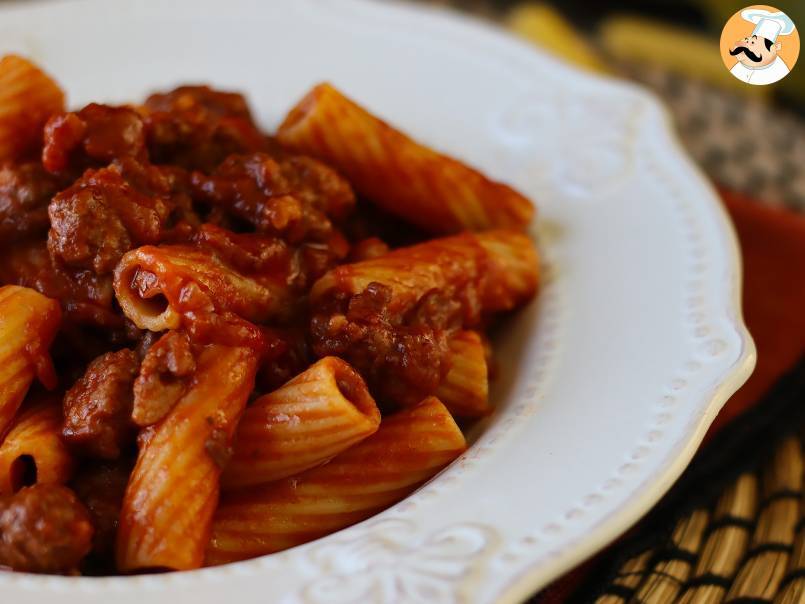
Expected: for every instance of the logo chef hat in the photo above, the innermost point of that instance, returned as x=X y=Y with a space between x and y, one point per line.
x=768 y=25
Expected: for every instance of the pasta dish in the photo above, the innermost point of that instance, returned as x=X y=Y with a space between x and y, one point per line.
x=217 y=344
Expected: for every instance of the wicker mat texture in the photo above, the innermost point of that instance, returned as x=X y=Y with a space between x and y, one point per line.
x=733 y=528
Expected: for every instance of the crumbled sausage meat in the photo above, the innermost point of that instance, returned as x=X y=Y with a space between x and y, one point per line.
x=292 y=197
x=94 y=136
x=197 y=128
x=166 y=371
x=25 y=192
x=44 y=529
x=97 y=409
x=403 y=361
x=109 y=211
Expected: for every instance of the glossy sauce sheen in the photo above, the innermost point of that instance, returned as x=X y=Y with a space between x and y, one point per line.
x=239 y=354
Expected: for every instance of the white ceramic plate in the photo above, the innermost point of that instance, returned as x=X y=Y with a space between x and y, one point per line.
x=608 y=382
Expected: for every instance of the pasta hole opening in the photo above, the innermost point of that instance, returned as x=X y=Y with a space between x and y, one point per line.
x=353 y=388
x=23 y=472
x=146 y=286
x=156 y=305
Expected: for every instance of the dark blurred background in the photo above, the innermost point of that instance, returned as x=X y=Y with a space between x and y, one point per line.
x=593 y=19
x=672 y=47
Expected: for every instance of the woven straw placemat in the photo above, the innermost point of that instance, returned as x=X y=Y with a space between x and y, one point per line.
x=733 y=529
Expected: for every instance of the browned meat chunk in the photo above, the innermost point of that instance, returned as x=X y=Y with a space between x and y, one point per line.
x=86 y=298
x=167 y=370
x=248 y=253
x=87 y=230
x=256 y=254
x=44 y=529
x=216 y=103
x=25 y=192
x=109 y=211
x=94 y=136
x=97 y=409
x=318 y=185
x=403 y=360
x=293 y=197
x=286 y=355
x=197 y=128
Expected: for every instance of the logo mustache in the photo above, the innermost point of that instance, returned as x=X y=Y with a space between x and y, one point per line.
x=743 y=49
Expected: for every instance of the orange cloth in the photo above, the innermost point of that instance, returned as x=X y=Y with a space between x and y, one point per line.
x=773 y=247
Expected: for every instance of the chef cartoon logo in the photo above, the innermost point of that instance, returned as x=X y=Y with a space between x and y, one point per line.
x=760 y=45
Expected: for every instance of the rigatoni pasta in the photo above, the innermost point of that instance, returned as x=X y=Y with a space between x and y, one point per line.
x=314 y=417
x=157 y=286
x=28 y=324
x=27 y=98
x=33 y=451
x=173 y=489
x=499 y=268
x=465 y=388
x=433 y=191
x=513 y=270
x=408 y=449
